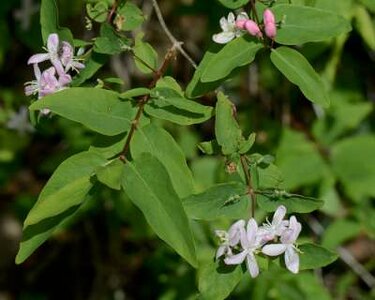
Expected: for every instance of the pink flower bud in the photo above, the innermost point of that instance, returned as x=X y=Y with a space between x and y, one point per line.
x=268 y=17
x=270 y=29
x=241 y=23
x=253 y=28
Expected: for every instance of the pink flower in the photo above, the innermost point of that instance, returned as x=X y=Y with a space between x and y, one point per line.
x=269 y=23
x=229 y=239
x=268 y=231
x=253 y=28
x=68 y=60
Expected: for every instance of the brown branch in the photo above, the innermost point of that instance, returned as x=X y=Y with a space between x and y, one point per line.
x=171 y=54
x=250 y=189
x=112 y=11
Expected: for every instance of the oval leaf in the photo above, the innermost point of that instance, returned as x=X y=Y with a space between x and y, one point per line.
x=147 y=183
x=302 y=24
x=237 y=53
x=298 y=70
x=99 y=110
x=158 y=142
x=222 y=200
x=314 y=256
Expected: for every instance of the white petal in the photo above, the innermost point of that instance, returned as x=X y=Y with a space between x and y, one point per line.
x=242 y=16
x=223 y=37
x=231 y=19
x=224 y=24
x=279 y=215
x=296 y=227
x=235 y=259
x=252 y=265
x=274 y=249
x=37 y=72
x=292 y=260
x=38 y=58
x=252 y=228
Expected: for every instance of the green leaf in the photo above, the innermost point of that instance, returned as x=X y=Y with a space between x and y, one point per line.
x=216 y=281
x=210 y=147
x=97 y=109
x=129 y=17
x=98 y=11
x=92 y=65
x=228 y=133
x=170 y=83
x=145 y=57
x=233 y=4
x=314 y=256
x=228 y=200
x=59 y=199
x=302 y=24
x=271 y=199
x=147 y=183
x=158 y=142
x=246 y=145
x=299 y=160
x=168 y=104
x=365 y=26
x=339 y=232
x=353 y=162
x=111 y=173
x=239 y=52
x=108 y=146
x=370 y=4
x=109 y=42
x=298 y=70
x=133 y=93
x=49 y=21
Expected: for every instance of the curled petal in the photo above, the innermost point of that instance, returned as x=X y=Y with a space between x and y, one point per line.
x=252 y=228
x=234 y=232
x=65 y=79
x=221 y=251
x=223 y=37
x=235 y=259
x=38 y=58
x=274 y=249
x=242 y=16
x=292 y=260
x=279 y=214
x=295 y=226
x=252 y=265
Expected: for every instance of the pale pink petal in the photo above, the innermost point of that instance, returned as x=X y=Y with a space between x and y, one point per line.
x=58 y=66
x=29 y=90
x=235 y=259
x=53 y=43
x=245 y=244
x=296 y=227
x=220 y=251
x=252 y=265
x=292 y=260
x=241 y=23
x=274 y=249
x=234 y=233
x=37 y=72
x=279 y=214
x=78 y=65
x=252 y=228
x=65 y=79
x=38 y=58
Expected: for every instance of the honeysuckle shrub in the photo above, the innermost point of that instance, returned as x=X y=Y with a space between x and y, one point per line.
x=256 y=210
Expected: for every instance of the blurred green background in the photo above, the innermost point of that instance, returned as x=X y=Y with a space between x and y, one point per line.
x=108 y=251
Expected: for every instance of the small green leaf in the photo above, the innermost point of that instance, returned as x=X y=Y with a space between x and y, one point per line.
x=365 y=26
x=99 y=110
x=237 y=53
x=210 y=147
x=111 y=173
x=228 y=133
x=246 y=145
x=98 y=11
x=298 y=70
x=217 y=281
x=129 y=16
x=49 y=21
x=314 y=256
x=147 y=183
x=233 y=4
x=302 y=24
x=146 y=58
x=59 y=199
x=271 y=199
x=133 y=93
x=109 y=42
x=228 y=200
x=158 y=142
x=168 y=104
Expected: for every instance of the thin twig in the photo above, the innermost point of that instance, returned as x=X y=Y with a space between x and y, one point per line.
x=158 y=74
x=174 y=41
x=249 y=183
x=345 y=255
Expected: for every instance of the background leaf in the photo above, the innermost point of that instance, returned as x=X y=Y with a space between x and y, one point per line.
x=314 y=256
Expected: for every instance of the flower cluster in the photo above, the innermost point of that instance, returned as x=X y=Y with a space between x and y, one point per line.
x=233 y=27
x=56 y=77
x=243 y=241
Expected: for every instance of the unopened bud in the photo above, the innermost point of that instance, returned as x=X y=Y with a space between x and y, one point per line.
x=253 y=28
